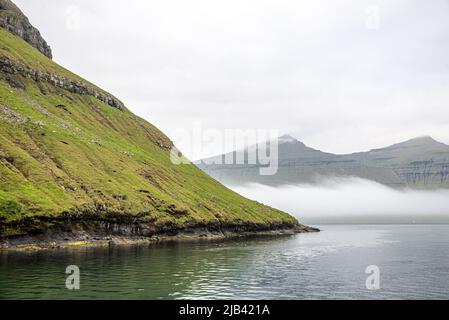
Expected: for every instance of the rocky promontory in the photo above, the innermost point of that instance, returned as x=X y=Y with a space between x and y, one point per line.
x=77 y=166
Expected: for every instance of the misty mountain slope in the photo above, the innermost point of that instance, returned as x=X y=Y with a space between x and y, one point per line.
x=421 y=163
x=73 y=154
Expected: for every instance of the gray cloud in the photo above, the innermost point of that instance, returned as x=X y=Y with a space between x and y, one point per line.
x=309 y=68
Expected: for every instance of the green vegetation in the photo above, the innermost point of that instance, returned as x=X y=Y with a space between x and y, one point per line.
x=63 y=153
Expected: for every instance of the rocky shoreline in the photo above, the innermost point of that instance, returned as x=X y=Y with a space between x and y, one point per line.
x=127 y=235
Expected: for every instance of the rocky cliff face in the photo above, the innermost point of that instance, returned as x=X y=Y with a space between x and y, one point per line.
x=12 y=19
x=14 y=73
x=425 y=174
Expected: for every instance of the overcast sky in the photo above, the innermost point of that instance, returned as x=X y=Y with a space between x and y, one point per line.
x=340 y=75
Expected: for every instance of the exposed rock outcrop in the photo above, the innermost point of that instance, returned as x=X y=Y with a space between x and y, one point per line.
x=12 y=19
x=10 y=69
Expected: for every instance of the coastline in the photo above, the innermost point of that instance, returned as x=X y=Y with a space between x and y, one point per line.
x=58 y=239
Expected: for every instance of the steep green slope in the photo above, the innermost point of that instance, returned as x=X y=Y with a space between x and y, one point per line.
x=69 y=150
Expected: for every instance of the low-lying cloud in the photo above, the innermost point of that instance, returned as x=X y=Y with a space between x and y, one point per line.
x=353 y=201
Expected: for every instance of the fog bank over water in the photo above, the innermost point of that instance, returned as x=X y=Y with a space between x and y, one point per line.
x=353 y=201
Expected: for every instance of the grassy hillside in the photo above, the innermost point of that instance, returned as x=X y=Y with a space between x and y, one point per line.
x=70 y=154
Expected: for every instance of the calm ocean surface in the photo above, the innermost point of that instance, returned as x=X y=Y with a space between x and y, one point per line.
x=413 y=262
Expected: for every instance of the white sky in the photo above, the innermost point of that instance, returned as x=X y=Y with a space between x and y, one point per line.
x=320 y=70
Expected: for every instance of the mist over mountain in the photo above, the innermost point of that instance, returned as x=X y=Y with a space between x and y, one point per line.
x=420 y=163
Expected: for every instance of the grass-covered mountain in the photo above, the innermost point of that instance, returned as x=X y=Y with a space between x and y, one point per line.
x=72 y=156
x=420 y=163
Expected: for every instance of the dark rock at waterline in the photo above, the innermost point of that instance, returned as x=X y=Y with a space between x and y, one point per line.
x=48 y=232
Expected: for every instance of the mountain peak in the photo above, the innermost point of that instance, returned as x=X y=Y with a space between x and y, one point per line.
x=13 y=20
x=424 y=139
x=286 y=138
x=419 y=143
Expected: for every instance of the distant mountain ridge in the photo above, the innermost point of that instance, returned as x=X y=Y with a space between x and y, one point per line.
x=419 y=163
